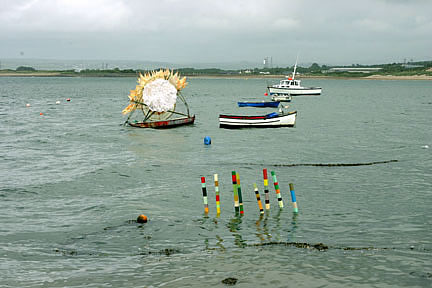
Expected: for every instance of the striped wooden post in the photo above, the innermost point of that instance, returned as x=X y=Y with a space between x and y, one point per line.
x=236 y=198
x=293 y=198
x=276 y=185
x=266 y=191
x=239 y=193
x=216 y=182
x=258 y=198
x=204 y=190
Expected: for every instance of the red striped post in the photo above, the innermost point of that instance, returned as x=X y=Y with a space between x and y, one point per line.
x=216 y=181
x=266 y=191
x=236 y=198
x=204 y=190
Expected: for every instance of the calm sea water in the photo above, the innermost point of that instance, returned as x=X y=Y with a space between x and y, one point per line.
x=73 y=181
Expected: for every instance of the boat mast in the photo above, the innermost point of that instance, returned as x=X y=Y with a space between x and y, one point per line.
x=295 y=67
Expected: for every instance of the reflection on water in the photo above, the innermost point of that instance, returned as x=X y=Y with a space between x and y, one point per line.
x=291 y=234
x=260 y=231
x=234 y=226
x=219 y=243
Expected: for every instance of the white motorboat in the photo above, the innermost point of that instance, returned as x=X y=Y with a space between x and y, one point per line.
x=292 y=87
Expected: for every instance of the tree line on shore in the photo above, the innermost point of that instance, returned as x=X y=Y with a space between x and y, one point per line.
x=355 y=70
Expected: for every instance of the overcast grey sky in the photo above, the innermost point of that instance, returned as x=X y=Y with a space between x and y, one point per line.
x=190 y=31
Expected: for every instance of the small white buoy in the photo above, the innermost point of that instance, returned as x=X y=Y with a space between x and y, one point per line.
x=425 y=146
x=57 y=102
x=28 y=105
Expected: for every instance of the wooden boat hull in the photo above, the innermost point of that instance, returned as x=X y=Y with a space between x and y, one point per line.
x=165 y=123
x=281 y=120
x=262 y=104
x=281 y=98
x=293 y=91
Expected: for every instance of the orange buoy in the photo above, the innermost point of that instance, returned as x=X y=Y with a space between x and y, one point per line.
x=68 y=99
x=142 y=218
x=265 y=94
x=40 y=113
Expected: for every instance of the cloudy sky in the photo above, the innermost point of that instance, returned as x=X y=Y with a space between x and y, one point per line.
x=193 y=31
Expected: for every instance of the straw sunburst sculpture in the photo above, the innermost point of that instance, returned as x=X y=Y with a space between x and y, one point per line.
x=156 y=91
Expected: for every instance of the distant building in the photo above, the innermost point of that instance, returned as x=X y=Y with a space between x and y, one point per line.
x=410 y=66
x=268 y=62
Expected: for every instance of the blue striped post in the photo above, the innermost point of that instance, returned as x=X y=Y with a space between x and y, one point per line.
x=293 y=198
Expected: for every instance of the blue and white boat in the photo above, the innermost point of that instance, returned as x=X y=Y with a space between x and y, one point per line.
x=262 y=104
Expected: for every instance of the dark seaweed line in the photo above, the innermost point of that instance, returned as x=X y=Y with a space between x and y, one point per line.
x=317 y=246
x=301 y=245
x=327 y=164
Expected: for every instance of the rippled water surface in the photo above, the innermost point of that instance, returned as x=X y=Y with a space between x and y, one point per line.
x=73 y=181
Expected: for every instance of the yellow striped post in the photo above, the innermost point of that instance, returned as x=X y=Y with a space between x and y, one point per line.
x=216 y=181
x=258 y=198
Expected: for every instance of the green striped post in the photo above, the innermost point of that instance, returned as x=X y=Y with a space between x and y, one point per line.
x=276 y=185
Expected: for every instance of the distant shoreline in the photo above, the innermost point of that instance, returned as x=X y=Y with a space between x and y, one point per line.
x=371 y=77
x=242 y=76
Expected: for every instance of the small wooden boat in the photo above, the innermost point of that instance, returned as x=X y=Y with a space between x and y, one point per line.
x=281 y=98
x=164 y=123
x=271 y=120
x=262 y=104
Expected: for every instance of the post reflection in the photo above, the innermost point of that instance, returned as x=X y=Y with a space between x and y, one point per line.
x=262 y=227
x=291 y=235
x=277 y=228
x=234 y=228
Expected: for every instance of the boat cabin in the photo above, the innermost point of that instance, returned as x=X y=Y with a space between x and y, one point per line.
x=289 y=83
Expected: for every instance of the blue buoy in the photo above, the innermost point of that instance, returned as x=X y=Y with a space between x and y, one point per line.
x=207 y=140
